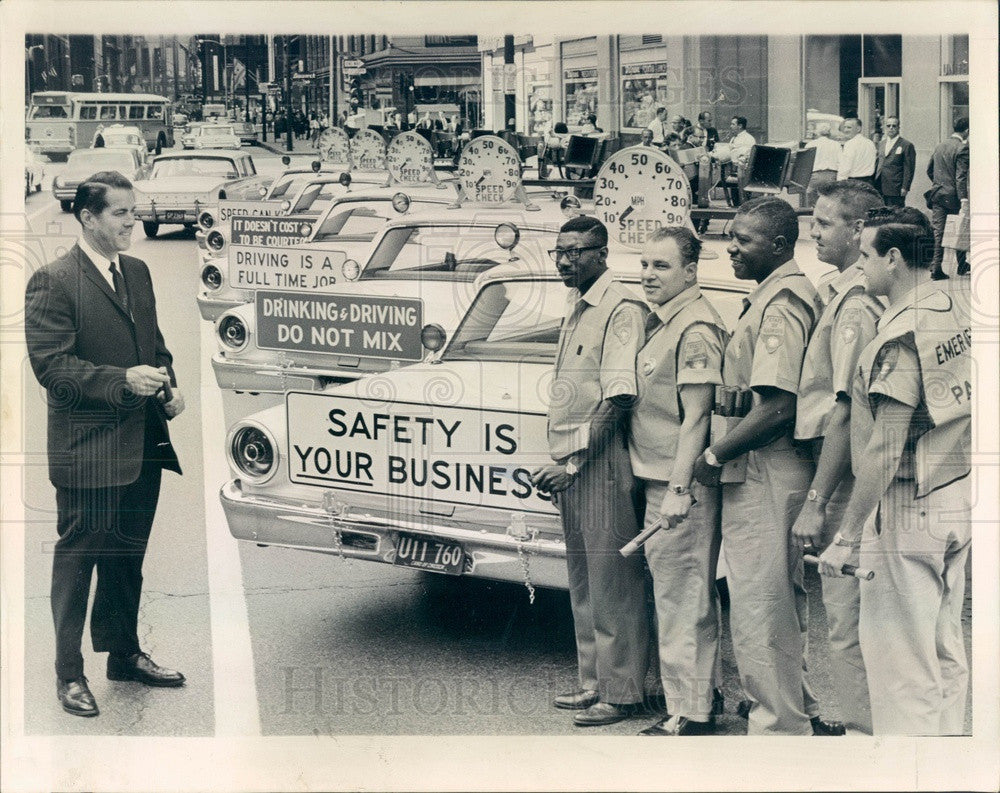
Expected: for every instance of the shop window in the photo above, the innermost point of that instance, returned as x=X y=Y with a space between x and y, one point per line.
x=539 y=109
x=643 y=89
x=580 y=95
x=958 y=61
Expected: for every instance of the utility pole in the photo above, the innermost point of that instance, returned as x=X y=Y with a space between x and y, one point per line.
x=246 y=79
x=288 y=97
x=509 y=98
x=333 y=81
x=176 y=78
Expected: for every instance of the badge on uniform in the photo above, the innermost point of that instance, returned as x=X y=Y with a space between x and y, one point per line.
x=772 y=330
x=648 y=366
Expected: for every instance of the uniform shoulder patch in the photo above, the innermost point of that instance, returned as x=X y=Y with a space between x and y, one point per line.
x=772 y=331
x=887 y=360
x=694 y=354
x=849 y=324
x=621 y=326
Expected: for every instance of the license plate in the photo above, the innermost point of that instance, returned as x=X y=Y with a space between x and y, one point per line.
x=174 y=214
x=412 y=550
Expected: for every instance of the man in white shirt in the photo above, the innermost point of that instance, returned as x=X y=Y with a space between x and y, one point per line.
x=858 y=157
x=826 y=163
x=658 y=127
x=741 y=141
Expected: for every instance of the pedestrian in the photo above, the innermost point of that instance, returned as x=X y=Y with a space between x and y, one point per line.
x=95 y=346
x=676 y=372
x=858 y=155
x=313 y=129
x=711 y=133
x=822 y=420
x=825 y=164
x=897 y=161
x=658 y=126
x=591 y=479
x=766 y=475
x=908 y=518
x=948 y=171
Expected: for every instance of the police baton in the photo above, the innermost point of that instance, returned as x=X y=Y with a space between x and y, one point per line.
x=847 y=569
x=635 y=544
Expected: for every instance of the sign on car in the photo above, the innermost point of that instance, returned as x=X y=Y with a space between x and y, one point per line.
x=363 y=326
x=261 y=254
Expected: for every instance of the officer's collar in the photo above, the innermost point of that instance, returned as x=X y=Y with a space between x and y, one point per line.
x=667 y=311
x=786 y=269
x=926 y=294
x=596 y=291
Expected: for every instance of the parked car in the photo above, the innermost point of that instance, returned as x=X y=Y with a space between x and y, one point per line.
x=181 y=184
x=34 y=171
x=214 y=136
x=245 y=131
x=83 y=163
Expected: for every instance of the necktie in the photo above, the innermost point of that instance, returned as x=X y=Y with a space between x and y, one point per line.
x=120 y=290
x=653 y=323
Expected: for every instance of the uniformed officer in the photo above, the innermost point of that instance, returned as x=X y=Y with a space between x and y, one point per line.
x=766 y=476
x=593 y=389
x=822 y=418
x=910 y=439
x=676 y=371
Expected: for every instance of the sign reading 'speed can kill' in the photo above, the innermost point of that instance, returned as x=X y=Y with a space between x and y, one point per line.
x=368 y=327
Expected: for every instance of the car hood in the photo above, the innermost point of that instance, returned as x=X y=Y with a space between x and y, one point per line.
x=180 y=184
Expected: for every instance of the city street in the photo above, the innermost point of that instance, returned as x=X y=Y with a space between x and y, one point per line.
x=284 y=642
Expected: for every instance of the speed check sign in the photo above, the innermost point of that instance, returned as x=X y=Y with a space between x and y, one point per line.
x=638 y=190
x=335 y=146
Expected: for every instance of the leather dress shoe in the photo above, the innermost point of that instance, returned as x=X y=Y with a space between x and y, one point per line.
x=820 y=726
x=601 y=713
x=75 y=697
x=577 y=700
x=655 y=703
x=718 y=702
x=680 y=725
x=142 y=668
x=823 y=727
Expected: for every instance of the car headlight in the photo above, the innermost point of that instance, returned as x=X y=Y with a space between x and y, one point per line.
x=211 y=276
x=506 y=236
x=206 y=220
x=350 y=269
x=401 y=203
x=570 y=206
x=215 y=241
x=233 y=332
x=253 y=451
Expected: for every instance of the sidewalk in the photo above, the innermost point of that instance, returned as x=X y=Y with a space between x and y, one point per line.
x=280 y=146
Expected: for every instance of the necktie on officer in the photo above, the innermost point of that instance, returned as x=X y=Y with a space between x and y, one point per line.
x=120 y=290
x=653 y=323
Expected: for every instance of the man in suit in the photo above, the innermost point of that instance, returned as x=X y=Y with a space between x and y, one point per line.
x=95 y=346
x=948 y=170
x=897 y=160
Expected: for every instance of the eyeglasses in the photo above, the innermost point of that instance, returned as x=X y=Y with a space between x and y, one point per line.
x=573 y=254
x=892 y=126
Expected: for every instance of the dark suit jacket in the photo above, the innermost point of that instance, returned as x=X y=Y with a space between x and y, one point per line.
x=894 y=173
x=80 y=341
x=949 y=171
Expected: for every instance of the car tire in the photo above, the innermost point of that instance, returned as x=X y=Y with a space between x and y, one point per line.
x=66 y=206
x=150 y=227
x=27 y=186
x=38 y=186
x=160 y=143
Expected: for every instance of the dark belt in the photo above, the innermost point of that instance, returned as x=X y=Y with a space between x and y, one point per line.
x=732 y=402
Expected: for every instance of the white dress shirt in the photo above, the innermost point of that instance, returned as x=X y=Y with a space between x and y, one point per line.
x=741 y=144
x=857 y=159
x=656 y=127
x=889 y=143
x=101 y=262
x=827 y=153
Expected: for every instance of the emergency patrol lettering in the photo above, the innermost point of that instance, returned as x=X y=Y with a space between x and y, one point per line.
x=954 y=347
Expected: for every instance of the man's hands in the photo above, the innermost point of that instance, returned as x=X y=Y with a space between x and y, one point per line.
x=551 y=478
x=175 y=406
x=145 y=380
x=835 y=557
x=808 y=528
x=706 y=473
x=675 y=508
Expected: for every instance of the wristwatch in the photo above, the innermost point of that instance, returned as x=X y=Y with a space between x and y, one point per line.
x=680 y=490
x=711 y=459
x=813 y=495
x=839 y=539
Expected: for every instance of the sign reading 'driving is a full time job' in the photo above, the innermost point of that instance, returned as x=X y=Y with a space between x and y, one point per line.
x=368 y=327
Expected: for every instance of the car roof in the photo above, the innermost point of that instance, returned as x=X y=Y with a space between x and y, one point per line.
x=227 y=154
x=549 y=218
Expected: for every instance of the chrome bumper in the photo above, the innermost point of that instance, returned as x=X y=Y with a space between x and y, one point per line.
x=158 y=215
x=258 y=377
x=360 y=535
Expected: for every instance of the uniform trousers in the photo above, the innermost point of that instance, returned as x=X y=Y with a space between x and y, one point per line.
x=769 y=612
x=682 y=561
x=607 y=590
x=107 y=528
x=842 y=601
x=911 y=612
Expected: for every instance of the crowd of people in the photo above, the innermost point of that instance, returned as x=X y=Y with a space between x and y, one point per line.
x=818 y=425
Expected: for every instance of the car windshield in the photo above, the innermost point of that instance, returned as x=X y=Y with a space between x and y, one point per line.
x=48 y=111
x=511 y=321
x=289 y=184
x=223 y=131
x=356 y=220
x=122 y=140
x=450 y=248
x=102 y=160
x=195 y=166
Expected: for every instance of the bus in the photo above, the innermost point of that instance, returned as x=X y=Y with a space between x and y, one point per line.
x=60 y=121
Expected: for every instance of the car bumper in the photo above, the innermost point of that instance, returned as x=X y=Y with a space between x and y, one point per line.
x=212 y=308
x=64 y=193
x=258 y=377
x=159 y=214
x=359 y=535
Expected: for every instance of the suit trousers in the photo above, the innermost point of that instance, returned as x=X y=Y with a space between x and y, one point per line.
x=894 y=200
x=939 y=218
x=842 y=601
x=607 y=590
x=682 y=561
x=107 y=528
x=769 y=612
x=911 y=612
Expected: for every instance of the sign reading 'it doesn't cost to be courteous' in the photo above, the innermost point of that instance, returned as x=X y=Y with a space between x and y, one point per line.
x=367 y=327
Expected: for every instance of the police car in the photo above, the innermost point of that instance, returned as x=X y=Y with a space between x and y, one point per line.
x=182 y=184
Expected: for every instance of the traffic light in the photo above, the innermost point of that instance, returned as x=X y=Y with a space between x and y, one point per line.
x=356 y=94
